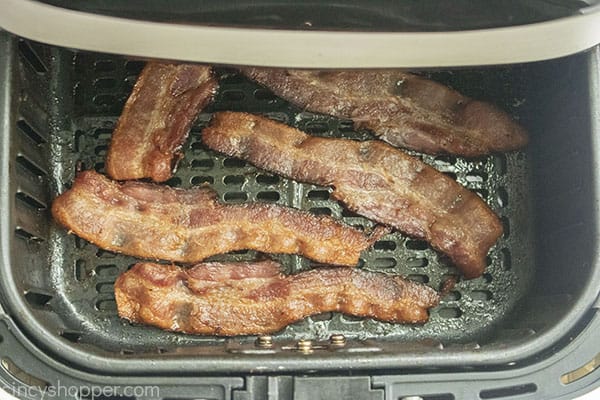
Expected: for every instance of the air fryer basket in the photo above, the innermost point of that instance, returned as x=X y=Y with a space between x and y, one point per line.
x=60 y=106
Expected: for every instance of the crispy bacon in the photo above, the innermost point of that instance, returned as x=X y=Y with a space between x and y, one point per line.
x=373 y=179
x=160 y=222
x=229 y=299
x=402 y=109
x=156 y=120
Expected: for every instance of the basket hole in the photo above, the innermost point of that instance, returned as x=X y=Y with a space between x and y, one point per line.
x=268 y=196
x=416 y=245
x=505 y=226
x=71 y=336
x=444 y=161
x=30 y=201
x=105 y=83
x=130 y=82
x=234 y=163
x=127 y=352
x=500 y=164
x=277 y=116
x=502 y=197
x=105 y=288
x=240 y=252
x=267 y=179
x=32 y=57
x=104 y=100
x=174 y=181
x=105 y=254
x=204 y=164
x=234 y=179
x=505 y=259
x=80 y=273
x=487 y=277
x=77 y=140
x=106 y=305
x=264 y=95
x=421 y=278
x=450 y=312
x=346 y=127
x=30 y=132
x=30 y=166
x=106 y=270
x=322 y=317
x=417 y=262
x=101 y=150
x=199 y=180
x=23 y=234
x=476 y=177
x=316 y=127
x=134 y=66
x=321 y=210
x=483 y=193
x=37 y=299
x=99 y=167
x=80 y=243
x=509 y=391
x=104 y=65
x=235 y=197
x=198 y=146
x=385 y=245
x=318 y=195
x=481 y=295
x=103 y=133
x=233 y=95
x=451 y=175
x=349 y=214
x=453 y=295
x=383 y=262
x=351 y=318
x=232 y=79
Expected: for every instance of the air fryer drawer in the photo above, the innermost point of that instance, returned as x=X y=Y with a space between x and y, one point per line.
x=60 y=107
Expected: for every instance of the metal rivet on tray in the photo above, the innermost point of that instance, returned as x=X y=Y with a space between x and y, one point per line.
x=264 y=341
x=337 y=340
x=305 y=346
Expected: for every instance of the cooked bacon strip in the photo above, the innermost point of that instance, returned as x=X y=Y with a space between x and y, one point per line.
x=372 y=179
x=156 y=120
x=229 y=299
x=159 y=222
x=402 y=109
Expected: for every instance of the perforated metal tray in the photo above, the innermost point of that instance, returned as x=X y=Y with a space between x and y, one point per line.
x=82 y=275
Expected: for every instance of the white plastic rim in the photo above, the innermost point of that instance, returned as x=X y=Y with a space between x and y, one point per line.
x=300 y=49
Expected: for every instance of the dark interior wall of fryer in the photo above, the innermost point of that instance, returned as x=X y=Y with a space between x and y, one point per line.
x=560 y=115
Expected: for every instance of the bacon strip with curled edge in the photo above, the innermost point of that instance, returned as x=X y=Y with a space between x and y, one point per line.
x=229 y=299
x=402 y=109
x=188 y=225
x=373 y=179
x=156 y=120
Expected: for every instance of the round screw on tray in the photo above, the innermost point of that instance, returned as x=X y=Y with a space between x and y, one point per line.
x=264 y=342
x=337 y=340
x=304 y=346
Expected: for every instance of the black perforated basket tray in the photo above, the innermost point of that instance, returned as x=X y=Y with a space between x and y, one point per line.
x=59 y=108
